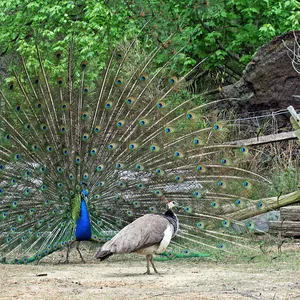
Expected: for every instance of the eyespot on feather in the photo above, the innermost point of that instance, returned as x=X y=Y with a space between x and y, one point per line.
x=190 y=115
x=129 y=100
x=173 y=80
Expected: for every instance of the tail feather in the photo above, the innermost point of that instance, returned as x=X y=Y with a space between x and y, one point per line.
x=102 y=255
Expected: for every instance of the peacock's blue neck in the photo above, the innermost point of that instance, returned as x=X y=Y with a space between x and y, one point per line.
x=83 y=225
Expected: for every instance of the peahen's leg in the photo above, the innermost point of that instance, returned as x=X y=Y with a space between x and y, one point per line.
x=148 y=257
x=152 y=263
x=77 y=248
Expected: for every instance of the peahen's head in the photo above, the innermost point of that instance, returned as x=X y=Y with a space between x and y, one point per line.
x=171 y=204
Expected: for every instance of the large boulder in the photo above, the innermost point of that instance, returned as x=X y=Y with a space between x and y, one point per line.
x=269 y=82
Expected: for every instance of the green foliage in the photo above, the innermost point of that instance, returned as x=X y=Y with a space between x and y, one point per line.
x=287 y=180
x=228 y=32
x=95 y=24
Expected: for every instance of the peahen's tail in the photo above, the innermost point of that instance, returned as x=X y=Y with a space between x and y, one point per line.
x=102 y=255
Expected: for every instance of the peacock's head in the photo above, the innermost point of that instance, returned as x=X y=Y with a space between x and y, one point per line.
x=84 y=192
x=84 y=195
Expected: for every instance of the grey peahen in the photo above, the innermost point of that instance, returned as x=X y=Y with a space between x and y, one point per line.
x=86 y=149
x=146 y=235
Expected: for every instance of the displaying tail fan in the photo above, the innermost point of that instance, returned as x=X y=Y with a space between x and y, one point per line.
x=85 y=151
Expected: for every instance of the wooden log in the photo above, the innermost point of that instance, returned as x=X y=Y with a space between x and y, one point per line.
x=290 y=213
x=284 y=226
x=295 y=234
x=270 y=204
x=272 y=138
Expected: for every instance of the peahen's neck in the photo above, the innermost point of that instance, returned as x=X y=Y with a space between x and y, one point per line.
x=83 y=225
x=170 y=215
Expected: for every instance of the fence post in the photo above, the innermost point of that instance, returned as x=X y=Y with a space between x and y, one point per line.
x=295 y=121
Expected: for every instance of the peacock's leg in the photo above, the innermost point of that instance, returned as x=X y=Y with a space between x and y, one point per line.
x=77 y=248
x=66 y=261
x=152 y=263
x=148 y=257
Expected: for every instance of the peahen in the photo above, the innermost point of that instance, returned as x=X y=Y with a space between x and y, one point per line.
x=86 y=149
x=146 y=235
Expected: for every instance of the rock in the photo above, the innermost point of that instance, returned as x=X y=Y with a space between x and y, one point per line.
x=269 y=82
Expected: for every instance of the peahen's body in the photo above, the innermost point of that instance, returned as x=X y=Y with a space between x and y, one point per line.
x=146 y=235
x=128 y=135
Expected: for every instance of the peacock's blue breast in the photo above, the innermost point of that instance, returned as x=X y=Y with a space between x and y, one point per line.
x=83 y=226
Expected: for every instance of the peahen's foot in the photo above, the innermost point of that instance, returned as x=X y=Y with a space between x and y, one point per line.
x=147 y=272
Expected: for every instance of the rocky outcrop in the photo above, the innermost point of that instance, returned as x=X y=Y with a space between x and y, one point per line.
x=269 y=82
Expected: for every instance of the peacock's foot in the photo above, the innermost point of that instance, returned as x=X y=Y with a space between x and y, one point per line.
x=64 y=262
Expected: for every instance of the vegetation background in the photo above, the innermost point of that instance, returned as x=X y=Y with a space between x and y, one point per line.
x=226 y=32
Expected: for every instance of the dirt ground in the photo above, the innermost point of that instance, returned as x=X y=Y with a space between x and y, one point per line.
x=121 y=277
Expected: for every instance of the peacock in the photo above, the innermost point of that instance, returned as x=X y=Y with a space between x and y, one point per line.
x=87 y=148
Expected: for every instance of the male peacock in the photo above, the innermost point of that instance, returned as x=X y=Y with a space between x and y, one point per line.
x=83 y=226
x=85 y=151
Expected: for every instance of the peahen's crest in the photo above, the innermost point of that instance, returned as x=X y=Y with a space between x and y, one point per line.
x=132 y=133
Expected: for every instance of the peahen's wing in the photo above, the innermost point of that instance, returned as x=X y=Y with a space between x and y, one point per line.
x=143 y=232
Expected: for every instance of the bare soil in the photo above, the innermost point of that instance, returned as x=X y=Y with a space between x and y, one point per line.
x=121 y=277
